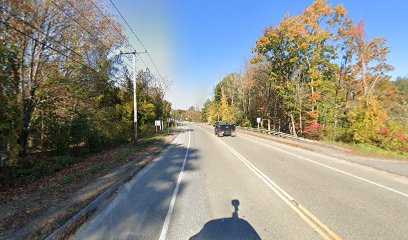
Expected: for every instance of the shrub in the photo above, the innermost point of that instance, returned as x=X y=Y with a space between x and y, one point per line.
x=332 y=133
x=314 y=131
x=246 y=123
x=365 y=122
x=393 y=138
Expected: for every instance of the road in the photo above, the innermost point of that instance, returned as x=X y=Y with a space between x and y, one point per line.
x=244 y=187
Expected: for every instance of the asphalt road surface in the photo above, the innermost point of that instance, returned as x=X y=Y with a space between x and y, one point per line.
x=244 y=187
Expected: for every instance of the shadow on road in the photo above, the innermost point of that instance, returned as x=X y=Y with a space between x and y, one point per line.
x=227 y=228
x=143 y=202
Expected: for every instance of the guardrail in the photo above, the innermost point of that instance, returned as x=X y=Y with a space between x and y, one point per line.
x=275 y=133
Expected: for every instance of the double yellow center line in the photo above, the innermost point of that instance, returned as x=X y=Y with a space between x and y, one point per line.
x=307 y=216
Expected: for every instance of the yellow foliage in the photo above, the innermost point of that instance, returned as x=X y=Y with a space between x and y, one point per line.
x=366 y=120
x=227 y=110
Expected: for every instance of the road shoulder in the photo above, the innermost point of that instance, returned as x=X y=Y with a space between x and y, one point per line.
x=392 y=166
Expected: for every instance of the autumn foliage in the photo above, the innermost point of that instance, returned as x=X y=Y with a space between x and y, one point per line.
x=64 y=84
x=313 y=131
x=320 y=75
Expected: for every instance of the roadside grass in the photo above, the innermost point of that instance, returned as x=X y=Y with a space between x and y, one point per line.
x=371 y=150
x=379 y=151
x=367 y=149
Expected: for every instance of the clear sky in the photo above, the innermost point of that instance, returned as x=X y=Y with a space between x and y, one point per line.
x=197 y=42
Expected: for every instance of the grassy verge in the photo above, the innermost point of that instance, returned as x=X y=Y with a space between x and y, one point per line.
x=366 y=149
x=379 y=151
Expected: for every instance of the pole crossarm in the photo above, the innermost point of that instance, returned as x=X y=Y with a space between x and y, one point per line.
x=133 y=52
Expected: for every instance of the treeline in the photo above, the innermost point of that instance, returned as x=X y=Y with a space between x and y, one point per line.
x=63 y=83
x=191 y=114
x=318 y=75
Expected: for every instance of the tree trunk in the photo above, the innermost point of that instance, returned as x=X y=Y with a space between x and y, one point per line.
x=292 y=119
x=300 y=118
x=28 y=109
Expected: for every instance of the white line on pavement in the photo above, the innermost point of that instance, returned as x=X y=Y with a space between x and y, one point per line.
x=166 y=224
x=324 y=231
x=329 y=167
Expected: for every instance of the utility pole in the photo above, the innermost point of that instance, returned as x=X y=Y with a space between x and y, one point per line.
x=134 y=92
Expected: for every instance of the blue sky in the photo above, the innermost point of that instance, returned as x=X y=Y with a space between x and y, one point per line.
x=196 y=43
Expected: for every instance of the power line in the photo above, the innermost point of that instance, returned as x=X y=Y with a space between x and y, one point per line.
x=92 y=35
x=86 y=30
x=73 y=19
x=104 y=15
x=150 y=57
x=138 y=39
x=14 y=15
x=38 y=30
x=50 y=47
x=119 y=32
x=93 y=25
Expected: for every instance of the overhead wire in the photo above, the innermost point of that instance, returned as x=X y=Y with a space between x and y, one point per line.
x=54 y=49
x=92 y=35
x=38 y=30
x=118 y=31
x=138 y=39
x=93 y=25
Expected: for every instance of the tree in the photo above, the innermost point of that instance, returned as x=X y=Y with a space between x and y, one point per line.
x=317 y=75
x=371 y=59
x=62 y=84
x=300 y=50
x=226 y=110
x=402 y=113
x=9 y=108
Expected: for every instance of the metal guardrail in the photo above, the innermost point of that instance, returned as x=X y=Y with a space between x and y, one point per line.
x=275 y=133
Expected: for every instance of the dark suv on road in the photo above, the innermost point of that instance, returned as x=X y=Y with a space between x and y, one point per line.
x=224 y=129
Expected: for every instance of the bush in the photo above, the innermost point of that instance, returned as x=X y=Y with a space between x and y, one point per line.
x=331 y=133
x=246 y=123
x=365 y=122
x=369 y=124
x=314 y=131
x=393 y=138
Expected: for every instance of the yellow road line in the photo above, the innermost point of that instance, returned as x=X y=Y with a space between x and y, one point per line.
x=324 y=231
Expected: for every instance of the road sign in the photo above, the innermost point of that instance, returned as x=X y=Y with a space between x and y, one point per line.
x=258 y=120
x=157 y=123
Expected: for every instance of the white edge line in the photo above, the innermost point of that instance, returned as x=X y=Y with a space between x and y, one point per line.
x=332 y=168
x=166 y=224
x=279 y=191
